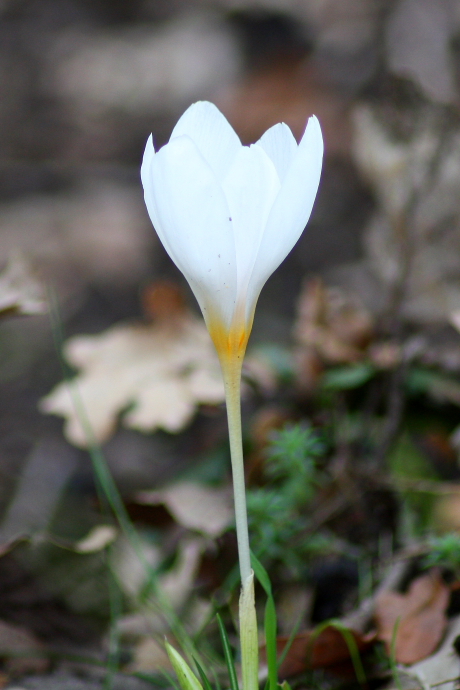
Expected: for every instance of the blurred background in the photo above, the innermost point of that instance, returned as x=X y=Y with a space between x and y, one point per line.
x=84 y=82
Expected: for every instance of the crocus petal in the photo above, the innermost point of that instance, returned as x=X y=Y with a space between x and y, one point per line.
x=149 y=153
x=228 y=215
x=147 y=183
x=214 y=137
x=279 y=144
x=146 y=177
x=292 y=207
x=190 y=204
x=250 y=187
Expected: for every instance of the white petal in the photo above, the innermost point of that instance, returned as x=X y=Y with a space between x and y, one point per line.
x=147 y=160
x=250 y=188
x=214 y=137
x=292 y=207
x=279 y=144
x=146 y=173
x=194 y=217
x=147 y=183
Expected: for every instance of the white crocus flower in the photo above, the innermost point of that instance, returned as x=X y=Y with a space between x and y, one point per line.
x=229 y=214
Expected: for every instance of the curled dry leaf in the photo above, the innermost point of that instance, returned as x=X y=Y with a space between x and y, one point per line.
x=97 y=539
x=158 y=372
x=417 y=618
x=332 y=323
x=20 y=291
x=194 y=506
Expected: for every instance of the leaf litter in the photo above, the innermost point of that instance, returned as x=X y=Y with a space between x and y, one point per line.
x=21 y=292
x=154 y=376
x=195 y=506
x=413 y=624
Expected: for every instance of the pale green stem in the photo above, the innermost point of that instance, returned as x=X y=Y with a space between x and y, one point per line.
x=232 y=380
x=249 y=639
x=231 y=370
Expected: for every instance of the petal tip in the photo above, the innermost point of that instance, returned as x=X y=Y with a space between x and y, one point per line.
x=149 y=153
x=204 y=109
x=314 y=126
x=313 y=135
x=149 y=144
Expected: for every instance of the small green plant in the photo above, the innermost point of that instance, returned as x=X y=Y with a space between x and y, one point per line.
x=292 y=459
x=444 y=551
x=277 y=515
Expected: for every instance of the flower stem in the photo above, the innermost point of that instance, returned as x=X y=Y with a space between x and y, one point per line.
x=231 y=369
x=248 y=636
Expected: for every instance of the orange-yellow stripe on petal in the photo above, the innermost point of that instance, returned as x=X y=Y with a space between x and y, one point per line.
x=230 y=343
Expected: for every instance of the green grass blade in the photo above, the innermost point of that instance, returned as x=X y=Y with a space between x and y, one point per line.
x=228 y=655
x=187 y=679
x=270 y=643
x=261 y=574
x=203 y=676
x=270 y=623
x=291 y=639
x=392 y=655
x=351 y=644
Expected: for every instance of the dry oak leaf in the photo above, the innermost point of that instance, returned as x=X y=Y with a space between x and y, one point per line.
x=159 y=373
x=418 y=617
x=20 y=291
x=206 y=509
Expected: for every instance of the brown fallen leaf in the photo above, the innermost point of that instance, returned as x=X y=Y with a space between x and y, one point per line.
x=418 y=618
x=333 y=324
x=328 y=649
x=438 y=670
x=20 y=291
x=194 y=506
x=159 y=372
